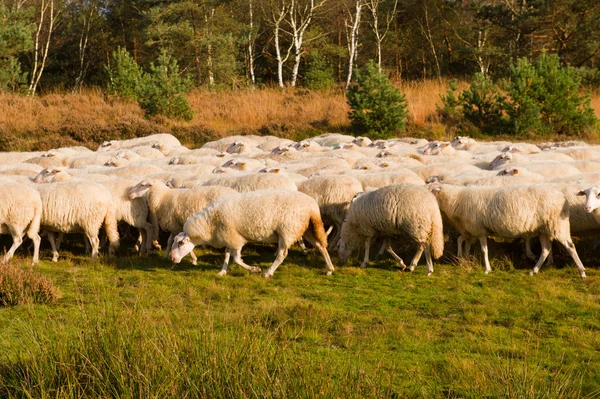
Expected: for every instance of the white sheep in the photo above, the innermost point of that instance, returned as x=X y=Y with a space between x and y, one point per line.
x=163 y=138
x=509 y=212
x=20 y=213
x=269 y=216
x=170 y=208
x=254 y=182
x=392 y=211
x=78 y=207
x=333 y=194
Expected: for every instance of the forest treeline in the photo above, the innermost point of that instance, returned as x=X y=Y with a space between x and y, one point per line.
x=48 y=45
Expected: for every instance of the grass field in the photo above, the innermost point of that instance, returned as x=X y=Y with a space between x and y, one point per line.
x=145 y=328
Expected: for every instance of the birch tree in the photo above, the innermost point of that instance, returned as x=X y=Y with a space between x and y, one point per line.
x=48 y=13
x=380 y=32
x=278 y=13
x=352 y=21
x=300 y=16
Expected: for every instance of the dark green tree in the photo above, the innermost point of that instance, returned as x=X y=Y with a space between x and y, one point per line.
x=16 y=32
x=124 y=75
x=378 y=108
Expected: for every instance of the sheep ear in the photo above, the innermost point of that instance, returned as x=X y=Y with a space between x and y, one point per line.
x=580 y=193
x=276 y=170
x=436 y=190
x=242 y=164
x=446 y=144
x=516 y=171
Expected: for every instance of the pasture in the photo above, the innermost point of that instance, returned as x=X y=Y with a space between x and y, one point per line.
x=143 y=327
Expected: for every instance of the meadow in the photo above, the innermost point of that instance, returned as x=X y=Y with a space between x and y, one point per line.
x=143 y=327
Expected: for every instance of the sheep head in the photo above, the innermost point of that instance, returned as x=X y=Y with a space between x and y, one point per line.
x=592 y=200
x=182 y=245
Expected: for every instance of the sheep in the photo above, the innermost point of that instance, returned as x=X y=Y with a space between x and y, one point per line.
x=254 y=182
x=333 y=194
x=163 y=138
x=509 y=212
x=20 y=213
x=362 y=141
x=382 y=179
x=170 y=208
x=391 y=211
x=133 y=212
x=509 y=157
x=78 y=207
x=224 y=143
x=173 y=150
x=269 y=216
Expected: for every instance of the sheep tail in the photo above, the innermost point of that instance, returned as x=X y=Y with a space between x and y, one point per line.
x=112 y=232
x=318 y=229
x=437 y=236
x=34 y=226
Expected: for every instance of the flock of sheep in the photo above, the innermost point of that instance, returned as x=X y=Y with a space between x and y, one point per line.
x=264 y=189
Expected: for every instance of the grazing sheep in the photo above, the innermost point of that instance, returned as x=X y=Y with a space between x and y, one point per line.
x=163 y=138
x=78 y=207
x=268 y=216
x=382 y=179
x=509 y=212
x=170 y=208
x=254 y=182
x=333 y=194
x=391 y=211
x=20 y=213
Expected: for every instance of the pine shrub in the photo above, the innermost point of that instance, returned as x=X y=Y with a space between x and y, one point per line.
x=378 y=108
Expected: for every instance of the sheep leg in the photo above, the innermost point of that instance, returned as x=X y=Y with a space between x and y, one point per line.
x=95 y=243
x=529 y=253
x=301 y=245
x=54 y=245
x=388 y=247
x=550 y=258
x=570 y=247
x=416 y=258
x=226 y=263
x=148 y=229
x=468 y=243
x=310 y=237
x=381 y=250
x=545 y=241
x=428 y=260
x=367 y=248
x=281 y=254
x=169 y=243
x=459 y=242
x=336 y=238
x=237 y=258
x=17 y=241
x=36 y=248
x=484 y=249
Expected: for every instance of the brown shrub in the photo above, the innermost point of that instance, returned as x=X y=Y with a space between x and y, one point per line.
x=19 y=285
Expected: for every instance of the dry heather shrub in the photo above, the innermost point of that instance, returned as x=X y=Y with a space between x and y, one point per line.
x=20 y=285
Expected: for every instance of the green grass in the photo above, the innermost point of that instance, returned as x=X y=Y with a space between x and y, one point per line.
x=142 y=327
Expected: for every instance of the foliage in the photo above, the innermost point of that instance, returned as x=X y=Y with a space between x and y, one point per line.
x=545 y=98
x=19 y=285
x=160 y=91
x=16 y=32
x=124 y=75
x=483 y=105
x=163 y=90
x=378 y=108
x=319 y=75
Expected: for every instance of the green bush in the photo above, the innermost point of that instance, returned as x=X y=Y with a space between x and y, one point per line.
x=378 y=108
x=545 y=98
x=124 y=75
x=163 y=90
x=11 y=76
x=538 y=98
x=319 y=75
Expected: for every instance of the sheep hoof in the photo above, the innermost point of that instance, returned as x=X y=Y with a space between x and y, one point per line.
x=266 y=275
x=194 y=263
x=329 y=273
x=55 y=259
x=532 y=273
x=411 y=269
x=255 y=269
x=583 y=275
x=222 y=273
x=487 y=272
x=429 y=274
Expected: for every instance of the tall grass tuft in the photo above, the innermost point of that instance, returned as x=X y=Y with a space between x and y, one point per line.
x=19 y=285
